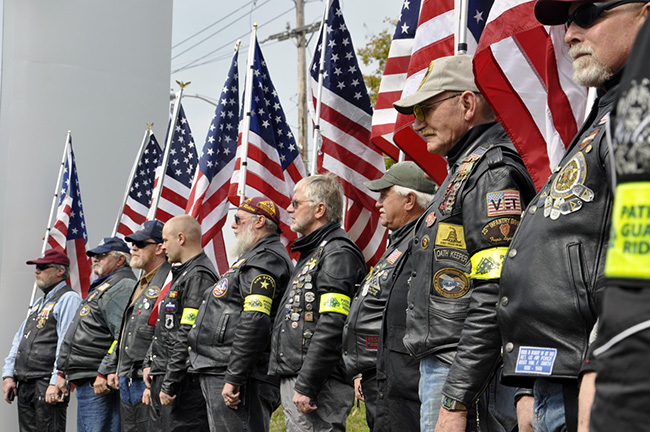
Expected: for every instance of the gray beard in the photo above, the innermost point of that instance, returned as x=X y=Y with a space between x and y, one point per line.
x=243 y=242
x=589 y=71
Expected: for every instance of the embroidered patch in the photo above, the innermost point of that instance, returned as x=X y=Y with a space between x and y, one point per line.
x=451 y=283
x=453 y=255
x=264 y=282
x=394 y=256
x=170 y=307
x=431 y=219
x=169 y=321
x=84 y=311
x=372 y=342
x=425 y=242
x=535 y=360
x=220 y=288
x=450 y=235
x=505 y=202
x=173 y=294
x=500 y=230
x=152 y=292
x=103 y=287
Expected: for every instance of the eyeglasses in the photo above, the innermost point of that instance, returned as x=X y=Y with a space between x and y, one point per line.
x=418 y=110
x=587 y=14
x=238 y=220
x=295 y=203
x=43 y=267
x=142 y=244
x=101 y=256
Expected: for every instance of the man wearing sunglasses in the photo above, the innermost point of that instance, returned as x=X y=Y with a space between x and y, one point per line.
x=92 y=336
x=29 y=373
x=552 y=278
x=458 y=246
x=125 y=362
x=230 y=343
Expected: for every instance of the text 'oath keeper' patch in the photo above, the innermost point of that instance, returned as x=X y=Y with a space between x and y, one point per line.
x=535 y=360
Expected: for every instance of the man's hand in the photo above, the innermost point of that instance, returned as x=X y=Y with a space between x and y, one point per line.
x=358 y=392
x=53 y=395
x=9 y=387
x=303 y=403
x=113 y=381
x=146 y=377
x=146 y=396
x=166 y=399
x=451 y=421
x=230 y=395
x=62 y=386
x=100 y=386
x=525 y=413
x=585 y=399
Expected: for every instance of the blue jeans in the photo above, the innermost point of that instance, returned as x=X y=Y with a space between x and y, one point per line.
x=433 y=374
x=133 y=413
x=96 y=413
x=548 y=410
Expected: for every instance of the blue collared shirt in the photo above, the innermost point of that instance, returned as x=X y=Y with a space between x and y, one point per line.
x=64 y=310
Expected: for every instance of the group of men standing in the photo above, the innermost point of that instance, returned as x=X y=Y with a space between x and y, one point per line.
x=483 y=313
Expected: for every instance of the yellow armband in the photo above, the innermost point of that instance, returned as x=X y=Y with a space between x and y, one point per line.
x=189 y=316
x=333 y=302
x=258 y=303
x=487 y=263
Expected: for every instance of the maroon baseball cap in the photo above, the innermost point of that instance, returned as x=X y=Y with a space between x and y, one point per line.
x=552 y=12
x=262 y=206
x=52 y=256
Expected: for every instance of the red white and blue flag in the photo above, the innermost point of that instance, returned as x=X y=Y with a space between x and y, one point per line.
x=69 y=229
x=208 y=201
x=273 y=164
x=345 y=127
x=140 y=192
x=179 y=172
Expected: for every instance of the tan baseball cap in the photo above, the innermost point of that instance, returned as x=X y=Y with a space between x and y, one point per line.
x=453 y=73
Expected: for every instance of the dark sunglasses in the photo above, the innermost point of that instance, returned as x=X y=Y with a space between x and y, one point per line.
x=43 y=267
x=587 y=14
x=142 y=244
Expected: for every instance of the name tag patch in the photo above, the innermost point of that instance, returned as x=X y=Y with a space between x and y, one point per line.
x=535 y=360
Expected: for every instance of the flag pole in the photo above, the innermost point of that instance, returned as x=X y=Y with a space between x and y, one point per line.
x=55 y=197
x=461 y=29
x=248 y=102
x=318 y=138
x=170 y=137
x=145 y=140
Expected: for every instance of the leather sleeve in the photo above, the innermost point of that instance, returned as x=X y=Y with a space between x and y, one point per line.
x=265 y=280
x=342 y=270
x=485 y=222
x=194 y=287
x=114 y=303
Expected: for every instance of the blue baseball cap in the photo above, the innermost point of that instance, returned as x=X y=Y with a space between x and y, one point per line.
x=109 y=244
x=149 y=230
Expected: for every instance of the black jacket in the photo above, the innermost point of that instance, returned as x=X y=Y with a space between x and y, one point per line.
x=178 y=309
x=363 y=325
x=85 y=348
x=553 y=275
x=466 y=229
x=136 y=335
x=232 y=333
x=307 y=332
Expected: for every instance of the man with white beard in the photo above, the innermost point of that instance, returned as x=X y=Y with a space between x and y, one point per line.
x=552 y=278
x=91 y=337
x=229 y=343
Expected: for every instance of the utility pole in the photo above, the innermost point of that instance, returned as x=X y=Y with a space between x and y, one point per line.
x=300 y=34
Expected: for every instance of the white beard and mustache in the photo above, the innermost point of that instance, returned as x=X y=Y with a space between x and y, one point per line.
x=588 y=70
x=244 y=240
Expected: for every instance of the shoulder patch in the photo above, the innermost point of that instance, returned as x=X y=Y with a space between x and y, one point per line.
x=103 y=287
x=264 y=282
x=451 y=235
x=451 y=283
x=152 y=292
x=220 y=288
x=500 y=230
x=505 y=202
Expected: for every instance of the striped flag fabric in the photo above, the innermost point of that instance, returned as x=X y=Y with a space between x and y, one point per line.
x=345 y=127
x=179 y=172
x=524 y=70
x=273 y=165
x=140 y=190
x=69 y=229
x=208 y=200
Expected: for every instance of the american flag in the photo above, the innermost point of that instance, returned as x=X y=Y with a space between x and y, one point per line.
x=436 y=23
x=273 y=164
x=179 y=172
x=524 y=71
x=208 y=201
x=345 y=125
x=140 y=190
x=69 y=230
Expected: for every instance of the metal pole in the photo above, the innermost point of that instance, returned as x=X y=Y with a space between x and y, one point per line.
x=461 y=30
x=302 y=80
x=145 y=140
x=170 y=137
x=318 y=139
x=248 y=102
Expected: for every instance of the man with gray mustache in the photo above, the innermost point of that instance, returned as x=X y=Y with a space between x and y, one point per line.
x=552 y=278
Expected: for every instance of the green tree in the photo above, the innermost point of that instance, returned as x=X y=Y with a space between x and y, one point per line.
x=376 y=51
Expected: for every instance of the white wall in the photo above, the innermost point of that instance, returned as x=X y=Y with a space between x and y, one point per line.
x=99 y=69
